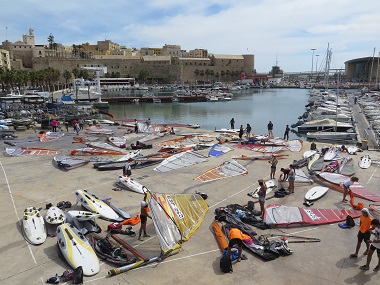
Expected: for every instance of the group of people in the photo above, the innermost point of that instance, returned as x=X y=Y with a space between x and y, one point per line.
x=248 y=130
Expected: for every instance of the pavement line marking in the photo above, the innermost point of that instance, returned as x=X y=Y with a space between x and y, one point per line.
x=14 y=208
x=373 y=173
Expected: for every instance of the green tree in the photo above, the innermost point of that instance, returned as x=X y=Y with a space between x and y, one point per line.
x=51 y=41
x=196 y=72
x=76 y=71
x=143 y=75
x=67 y=75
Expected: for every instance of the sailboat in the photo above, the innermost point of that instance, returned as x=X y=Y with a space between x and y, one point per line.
x=340 y=130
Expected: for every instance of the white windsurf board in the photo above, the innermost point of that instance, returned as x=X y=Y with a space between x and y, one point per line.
x=33 y=226
x=315 y=193
x=55 y=216
x=365 y=161
x=77 y=250
x=131 y=184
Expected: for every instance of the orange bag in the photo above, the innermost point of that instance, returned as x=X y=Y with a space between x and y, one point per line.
x=359 y=206
x=132 y=221
x=220 y=238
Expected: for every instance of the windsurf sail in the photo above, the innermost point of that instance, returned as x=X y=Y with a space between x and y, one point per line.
x=263 y=156
x=218 y=150
x=68 y=162
x=106 y=146
x=261 y=147
x=180 y=160
x=347 y=166
x=375 y=210
x=98 y=130
x=226 y=169
x=280 y=215
x=50 y=136
x=16 y=151
x=175 y=217
x=337 y=180
x=294 y=145
x=301 y=177
x=316 y=163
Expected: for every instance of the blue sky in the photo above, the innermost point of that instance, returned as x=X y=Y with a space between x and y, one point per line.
x=282 y=30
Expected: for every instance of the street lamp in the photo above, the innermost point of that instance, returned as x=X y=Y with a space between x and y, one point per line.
x=312 y=63
x=316 y=64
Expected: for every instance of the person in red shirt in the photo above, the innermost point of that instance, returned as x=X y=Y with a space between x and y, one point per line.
x=236 y=237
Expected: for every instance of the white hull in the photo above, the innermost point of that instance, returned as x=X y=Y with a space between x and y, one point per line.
x=331 y=135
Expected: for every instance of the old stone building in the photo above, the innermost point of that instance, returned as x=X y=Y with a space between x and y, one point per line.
x=168 y=64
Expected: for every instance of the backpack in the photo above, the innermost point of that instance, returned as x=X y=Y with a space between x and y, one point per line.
x=350 y=221
x=67 y=275
x=225 y=264
x=78 y=275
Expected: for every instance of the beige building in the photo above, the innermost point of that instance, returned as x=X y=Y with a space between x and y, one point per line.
x=168 y=64
x=4 y=59
x=364 y=69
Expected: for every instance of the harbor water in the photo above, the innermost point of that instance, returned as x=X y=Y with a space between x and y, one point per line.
x=254 y=106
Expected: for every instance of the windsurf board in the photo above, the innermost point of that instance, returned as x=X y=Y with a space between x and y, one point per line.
x=315 y=193
x=131 y=184
x=54 y=215
x=365 y=161
x=93 y=204
x=76 y=249
x=83 y=215
x=33 y=226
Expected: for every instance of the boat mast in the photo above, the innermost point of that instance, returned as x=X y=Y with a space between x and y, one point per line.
x=370 y=73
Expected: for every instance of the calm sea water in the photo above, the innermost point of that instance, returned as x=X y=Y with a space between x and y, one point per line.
x=255 y=107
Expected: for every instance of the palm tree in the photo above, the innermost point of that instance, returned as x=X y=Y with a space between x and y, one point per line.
x=67 y=75
x=51 y=41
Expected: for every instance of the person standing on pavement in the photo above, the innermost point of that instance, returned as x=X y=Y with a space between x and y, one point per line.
x=364 y=232
x=286 y=134
x=127 y=169
x=375 y=246
x=291 y=178
x=270 y=129
x=262 y=193
x=248 y=130
x=273 y=164
x=232 y=123
x=241 y=132
x=144 y=215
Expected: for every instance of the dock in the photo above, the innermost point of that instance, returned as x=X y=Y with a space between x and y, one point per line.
x=365 y=134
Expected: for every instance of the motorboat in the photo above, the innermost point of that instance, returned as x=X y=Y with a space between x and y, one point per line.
x=331 y=135
x=324 y=125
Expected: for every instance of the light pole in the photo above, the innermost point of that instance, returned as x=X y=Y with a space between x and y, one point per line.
x=312 y=62
x=316 y=64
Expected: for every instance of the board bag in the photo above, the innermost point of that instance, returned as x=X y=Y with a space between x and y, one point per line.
x=225 y=264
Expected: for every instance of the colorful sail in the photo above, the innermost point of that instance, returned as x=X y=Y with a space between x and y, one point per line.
x=280 y=215
x=226 y=169
x=180 y=160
